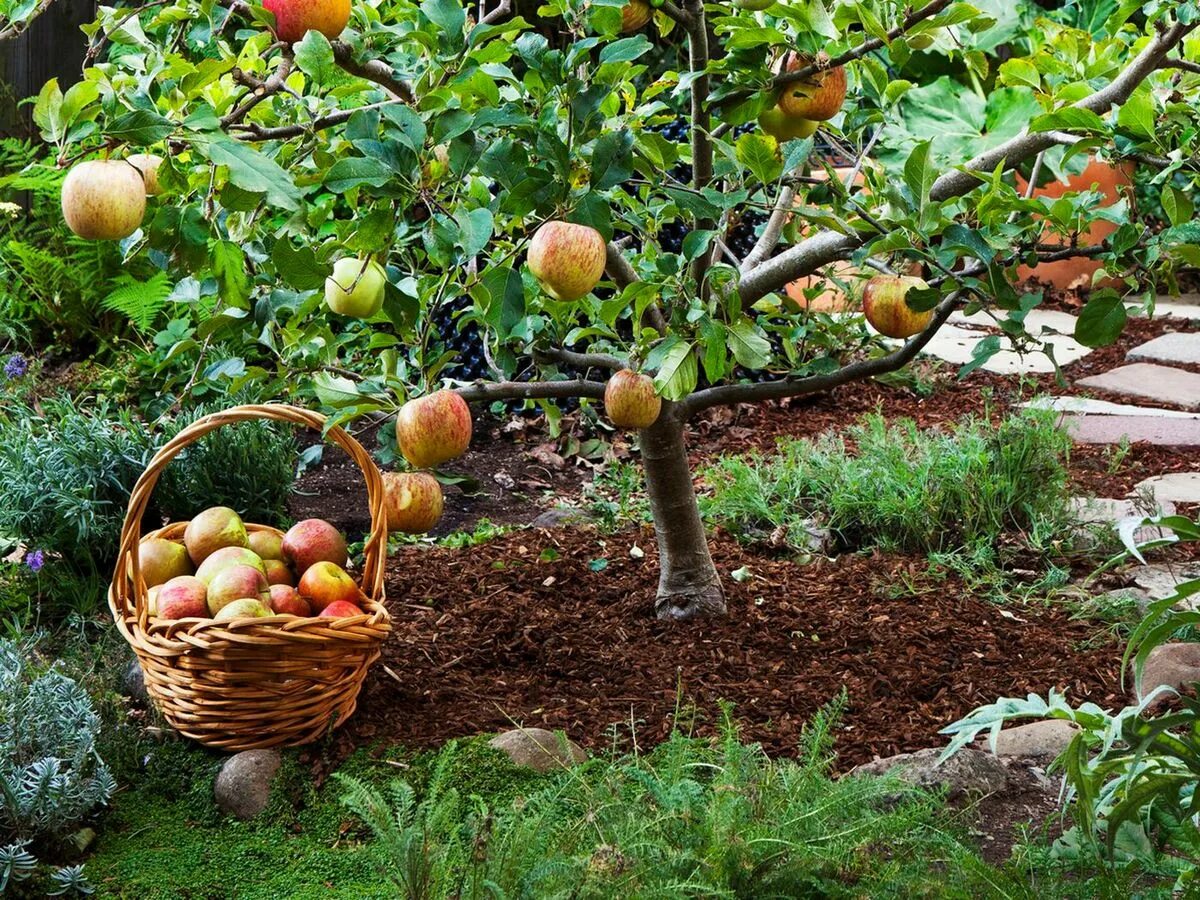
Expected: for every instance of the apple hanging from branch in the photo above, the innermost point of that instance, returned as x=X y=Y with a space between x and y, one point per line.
x=104 y=199
x=355 y=288
x=433 y=429
x=295 y=18
x=818 y=97
x=630 y=400
x=886 y=307
x=567 y=259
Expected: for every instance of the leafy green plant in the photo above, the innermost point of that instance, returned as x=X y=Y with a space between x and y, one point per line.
x=616 y=497
x=972 y=486
x=1133 y=776
x=51 y=777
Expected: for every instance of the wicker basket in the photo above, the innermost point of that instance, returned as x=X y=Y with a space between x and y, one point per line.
x=252 y=683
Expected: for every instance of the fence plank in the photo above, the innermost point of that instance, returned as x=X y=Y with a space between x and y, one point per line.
x=53 y=47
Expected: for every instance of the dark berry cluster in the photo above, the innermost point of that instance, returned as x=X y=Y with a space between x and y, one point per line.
x=465 y=342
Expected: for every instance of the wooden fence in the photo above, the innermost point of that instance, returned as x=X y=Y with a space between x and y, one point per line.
x=53 y=47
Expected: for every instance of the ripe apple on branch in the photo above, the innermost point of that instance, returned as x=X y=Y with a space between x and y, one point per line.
x=585 y=234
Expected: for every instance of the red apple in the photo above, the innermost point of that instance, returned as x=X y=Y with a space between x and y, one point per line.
x=227 y=558
x=237 y=583
x=267 y=544
x=340 y=610
x=886 y=309
x=286 y=601
x=104 y=199
x=433 y=429
x=183 y=598
x=325 y=583
x=312 y=541
x=818 y=97
x=630 y=401
x=246 y=608
x=634 y=15
x=295 y=18
x=213 y=529
x=278 y=572
x=413 y=501
x=567 y=259
x=161 y=560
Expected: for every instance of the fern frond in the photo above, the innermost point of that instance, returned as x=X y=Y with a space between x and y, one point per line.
x=139 y=301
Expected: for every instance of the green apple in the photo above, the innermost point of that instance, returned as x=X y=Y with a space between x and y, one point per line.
x=782 y=127
x=355 y=288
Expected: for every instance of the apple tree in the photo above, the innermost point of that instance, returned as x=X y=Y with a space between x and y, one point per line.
x=431 y=142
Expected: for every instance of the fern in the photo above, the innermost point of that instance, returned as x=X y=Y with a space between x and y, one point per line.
x=139 y=301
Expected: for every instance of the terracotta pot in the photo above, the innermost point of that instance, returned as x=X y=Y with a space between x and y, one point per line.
x=1112 y=181
x=833 y=298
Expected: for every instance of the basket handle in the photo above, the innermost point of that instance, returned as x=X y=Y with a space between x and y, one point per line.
x=374 y=551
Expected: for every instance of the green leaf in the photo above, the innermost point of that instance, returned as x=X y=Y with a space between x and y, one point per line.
x=353 y=171
x=1137 y=113
x=626 y=49
x=506 y=299
x=612 y=159
x=1102 y=320
x=299 y=268
x=920 y=173
x=314 y=57
x=760 y=154
x=677 y=370
x=1070 y=118
x=448 y=15
x=336 y=390
x=749 y=345
x=1020 y=71
x=229 y=268
x=475 y=230
x=967 y=242
x=1177 y=205
x=253 y=171
x=140 y=127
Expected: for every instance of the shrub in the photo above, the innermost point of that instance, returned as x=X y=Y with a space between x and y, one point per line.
x=899 y=487
x=67 y=469
x=51 y=777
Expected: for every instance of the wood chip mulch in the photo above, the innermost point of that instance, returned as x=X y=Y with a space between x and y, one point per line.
x=555 y=629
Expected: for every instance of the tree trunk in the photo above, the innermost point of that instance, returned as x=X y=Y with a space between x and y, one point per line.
x=688 y=585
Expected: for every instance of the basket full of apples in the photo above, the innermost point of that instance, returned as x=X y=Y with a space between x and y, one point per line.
x=250 y=637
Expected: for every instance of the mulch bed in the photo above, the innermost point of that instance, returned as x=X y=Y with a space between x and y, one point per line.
x=531 y=628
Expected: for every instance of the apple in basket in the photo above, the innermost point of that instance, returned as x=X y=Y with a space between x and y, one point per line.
x=161 y=560
x=278 y=572
x=237 y=583
x=324 y=584
x=227 y=558
x=213 y=529
x=267 y=544
x=182 y=598
x=286 y=601
x=246 y=608
x=340 y=610
x=312 y=541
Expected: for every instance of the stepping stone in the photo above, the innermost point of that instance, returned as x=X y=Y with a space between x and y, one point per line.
x=1165 y=432
x=1175 y=347
x=1177 y=666
x=1185 y=306
x=955 y=344
x=1176 y=487
x=1087 y=406
x=1037 y=741
x=538 y=749
x=1159 y=384
x=1092 y=511
x=1161 y=581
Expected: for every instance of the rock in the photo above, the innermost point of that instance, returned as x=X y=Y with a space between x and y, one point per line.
x=1175 y=487
x=133 y=683
x=965 y=774
x=1039 y=742
x=1145 y=381
x=1172 y=347
x=1106 y=512
x=1161 y=581
x=561 y=516
x=538 y=749
x=1176 y=666
x=243 y=786
x=546 y=455
x=1185 y=306
x=1086 y=406
x=1163 y=432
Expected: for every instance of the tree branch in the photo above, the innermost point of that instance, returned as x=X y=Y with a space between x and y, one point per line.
x=260 y=90
x=619 y=269
x=702 y=148
x=533 y=390
x=828 y=246
x=726 y=394
x=373 y=70
x=17 y=27
x=770 y=236
x=582 y=360
x=1185 y=64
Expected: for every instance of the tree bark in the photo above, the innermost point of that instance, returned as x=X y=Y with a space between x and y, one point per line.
x=688 y=584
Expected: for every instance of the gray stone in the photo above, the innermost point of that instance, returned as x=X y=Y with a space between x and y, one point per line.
x=561 y=516
x=243 y=787
x=1176 y=666
x=967 y=773
x=133 y=683
x=1041 y=742
x=1135 y=429
x=1085 y=405
x=1159 y=384
x=1185 y=306
x=1175 y=487
x=1173 y=347
x=538 y=749
x=1102 y=511
x=1161 y=581
x=956 y=341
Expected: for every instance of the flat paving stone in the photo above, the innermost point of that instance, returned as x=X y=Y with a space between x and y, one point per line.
x=1175 y=487
x=1084 y=405
x=1159 y=384
x=956 y=341
x=1185 y=306
x=1103 y=511
x=1161 y=581
x=1135 y=429
x=1175 y=347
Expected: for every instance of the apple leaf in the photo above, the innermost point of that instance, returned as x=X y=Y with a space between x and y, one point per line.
x=253 y=171
x=760 y=154
x=140 y=127
x=505 y=299
x=229 y=267
x=447 y=15
x=1070 y=118
x=626 y=49
x=612 y=159
x=677 y=370
x=1102 y=319
x=749 y=345
x=1136 y=115
x=1177 y=205
x=920 y=173
x=314 y=57
x=298 y=267
x=350 y=172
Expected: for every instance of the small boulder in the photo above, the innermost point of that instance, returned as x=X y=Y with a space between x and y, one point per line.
x=1039 y=742
x=243 y=786
x=966 y=774
x=1175 y=666
x=561 y=516
x=538 y=749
